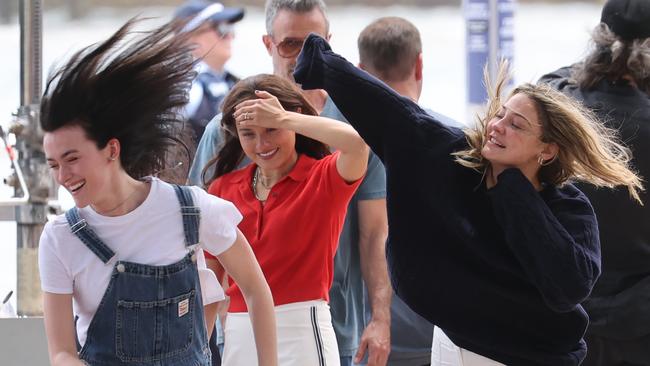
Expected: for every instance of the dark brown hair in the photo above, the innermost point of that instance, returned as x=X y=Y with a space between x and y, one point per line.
x=129 y=89
x=230 y=153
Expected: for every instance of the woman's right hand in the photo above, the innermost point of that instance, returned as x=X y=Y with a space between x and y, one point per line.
x=266 y=112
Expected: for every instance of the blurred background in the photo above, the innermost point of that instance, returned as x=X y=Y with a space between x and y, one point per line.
x=547 y=35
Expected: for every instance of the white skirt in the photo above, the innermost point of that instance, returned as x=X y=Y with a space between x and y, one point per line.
x=305 y=336
x=445 y=353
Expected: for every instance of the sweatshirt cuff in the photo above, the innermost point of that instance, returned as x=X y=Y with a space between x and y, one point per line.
x=512 y=179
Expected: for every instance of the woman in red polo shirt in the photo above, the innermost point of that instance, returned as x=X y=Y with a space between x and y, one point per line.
x=293 y=197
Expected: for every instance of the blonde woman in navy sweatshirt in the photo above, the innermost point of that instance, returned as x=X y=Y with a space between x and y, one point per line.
x=488 y=239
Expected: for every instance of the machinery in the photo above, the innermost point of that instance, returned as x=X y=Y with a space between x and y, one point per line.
x=35 y=191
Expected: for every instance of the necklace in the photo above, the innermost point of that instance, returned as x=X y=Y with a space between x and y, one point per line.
x=254 y=186
x=265 y=185
x=104 y=213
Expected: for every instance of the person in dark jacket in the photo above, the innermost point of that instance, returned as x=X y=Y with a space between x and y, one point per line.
x=614 y=81
x=211 y=28
x=488 y=240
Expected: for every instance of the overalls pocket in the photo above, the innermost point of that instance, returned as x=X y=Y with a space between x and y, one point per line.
x=154 y=330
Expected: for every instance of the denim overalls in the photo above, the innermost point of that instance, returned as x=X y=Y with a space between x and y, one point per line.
x=149 y=315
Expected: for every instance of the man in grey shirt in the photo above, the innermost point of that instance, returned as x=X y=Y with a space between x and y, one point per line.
x=391 y=50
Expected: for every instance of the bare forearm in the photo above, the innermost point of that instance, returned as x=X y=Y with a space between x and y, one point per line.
x=373 y=232
x=375 y=275
x=263 y=320
x=66 y=359
x=336 y=134
x=210 y=312
x=239 y=261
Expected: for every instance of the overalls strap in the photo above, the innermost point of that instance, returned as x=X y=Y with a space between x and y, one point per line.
x=191 y=214
x=81 y=230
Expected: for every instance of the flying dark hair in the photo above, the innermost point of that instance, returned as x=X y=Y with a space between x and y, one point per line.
x=230 y=153
x=129 y=89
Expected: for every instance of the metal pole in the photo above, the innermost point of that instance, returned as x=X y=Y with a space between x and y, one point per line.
x=30 y=217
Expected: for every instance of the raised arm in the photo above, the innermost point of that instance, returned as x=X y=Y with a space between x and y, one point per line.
x=239 y=261
x=267 y=112
x=383 y=118
x=556 y=242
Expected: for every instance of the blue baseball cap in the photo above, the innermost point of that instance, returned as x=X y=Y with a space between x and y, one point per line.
x=200 y=11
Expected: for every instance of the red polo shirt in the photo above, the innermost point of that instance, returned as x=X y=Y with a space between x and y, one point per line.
x=294 y=235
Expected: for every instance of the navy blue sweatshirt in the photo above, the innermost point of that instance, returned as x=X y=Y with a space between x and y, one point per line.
x=501 y=271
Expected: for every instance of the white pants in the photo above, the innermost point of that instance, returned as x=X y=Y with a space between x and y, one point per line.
x=305 y=336
x=445 y=353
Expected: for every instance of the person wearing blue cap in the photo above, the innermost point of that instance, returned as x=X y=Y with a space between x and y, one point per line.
x=614 y=81
x=212 y=32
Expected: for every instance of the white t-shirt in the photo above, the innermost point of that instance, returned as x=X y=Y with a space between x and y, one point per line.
x=151 y=234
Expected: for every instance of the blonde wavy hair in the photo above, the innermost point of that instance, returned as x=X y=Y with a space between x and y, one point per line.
x=588 y=151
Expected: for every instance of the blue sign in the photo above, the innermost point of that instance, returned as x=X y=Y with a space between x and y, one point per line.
x=489 y=38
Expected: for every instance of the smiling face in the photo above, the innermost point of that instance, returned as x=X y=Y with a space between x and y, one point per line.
x=514 y=138
x=272 y=149
x=78 y=165
x=292 y=28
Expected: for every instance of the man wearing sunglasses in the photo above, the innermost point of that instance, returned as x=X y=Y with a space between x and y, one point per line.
x=360 y=257
x=212 y=31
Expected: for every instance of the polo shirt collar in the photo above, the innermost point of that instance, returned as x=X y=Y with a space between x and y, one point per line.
x=302 y=168
x=299 y=172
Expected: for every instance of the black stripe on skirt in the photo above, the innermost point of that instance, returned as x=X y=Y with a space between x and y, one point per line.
x=317 y=337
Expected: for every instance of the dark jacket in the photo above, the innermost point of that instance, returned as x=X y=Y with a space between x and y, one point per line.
x=501 y=271
x=211 y=100
x=619 y=306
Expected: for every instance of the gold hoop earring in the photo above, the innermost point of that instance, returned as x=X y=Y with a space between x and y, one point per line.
x=541 y=161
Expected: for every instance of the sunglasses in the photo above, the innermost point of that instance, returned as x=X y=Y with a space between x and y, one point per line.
x=289 y=47
x=224 y=29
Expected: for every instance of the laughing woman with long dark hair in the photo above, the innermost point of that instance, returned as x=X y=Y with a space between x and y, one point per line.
x=125 y=265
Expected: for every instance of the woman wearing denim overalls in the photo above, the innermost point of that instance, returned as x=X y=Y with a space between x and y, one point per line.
x=126 y=265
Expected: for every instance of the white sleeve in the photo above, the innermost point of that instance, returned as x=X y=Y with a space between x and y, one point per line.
x=211 y=289
x=55 y=276
x=219 y=220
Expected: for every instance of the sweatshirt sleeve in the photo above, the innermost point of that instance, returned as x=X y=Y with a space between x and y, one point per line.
x=556 y=241
x=382 y=117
